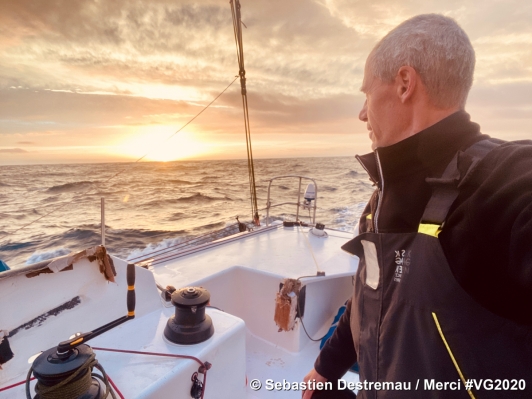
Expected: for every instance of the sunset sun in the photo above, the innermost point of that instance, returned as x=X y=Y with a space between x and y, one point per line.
x=155 y=142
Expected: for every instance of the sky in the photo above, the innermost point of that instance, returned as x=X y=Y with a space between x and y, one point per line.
x=106 y=81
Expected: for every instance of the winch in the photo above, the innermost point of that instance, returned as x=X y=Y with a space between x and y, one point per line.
x=66 y=370
x=190 y=325
x=68 y=374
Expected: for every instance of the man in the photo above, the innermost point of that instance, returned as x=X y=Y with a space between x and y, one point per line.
x=444 y=285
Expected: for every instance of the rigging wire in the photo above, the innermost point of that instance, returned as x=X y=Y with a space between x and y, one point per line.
x=237 y=27
x=177 y=254
x=174 y=247
x=125 y=169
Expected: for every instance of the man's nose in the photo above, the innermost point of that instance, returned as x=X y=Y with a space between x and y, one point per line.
x=363 y=114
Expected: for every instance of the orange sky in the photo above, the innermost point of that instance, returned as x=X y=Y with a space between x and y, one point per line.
x=99 y=81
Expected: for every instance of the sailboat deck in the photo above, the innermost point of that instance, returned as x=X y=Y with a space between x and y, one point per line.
x=243 y=274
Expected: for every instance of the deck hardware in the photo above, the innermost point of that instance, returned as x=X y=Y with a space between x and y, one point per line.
x=286 y=304
x=6 y=353
x=65 y=370
x=189 y=325
x=306 y=204
x=241 y=226
x=310 y=195
x=319 y=230
x=71 y=376
x=197 y=386
x=167 y=292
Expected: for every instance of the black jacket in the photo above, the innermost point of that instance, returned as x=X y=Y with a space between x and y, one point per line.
x=487 y=236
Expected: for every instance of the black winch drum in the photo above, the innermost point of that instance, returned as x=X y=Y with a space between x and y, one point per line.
x=51 y=369
x=190 y=325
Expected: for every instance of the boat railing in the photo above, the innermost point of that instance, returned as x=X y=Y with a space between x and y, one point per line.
x=298 y=204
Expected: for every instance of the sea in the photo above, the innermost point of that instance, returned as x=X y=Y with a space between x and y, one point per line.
x=51 y=210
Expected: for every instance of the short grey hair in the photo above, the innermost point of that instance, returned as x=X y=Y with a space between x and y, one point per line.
x=437 y=48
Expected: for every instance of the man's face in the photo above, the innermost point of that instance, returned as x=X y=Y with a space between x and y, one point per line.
x=379 y=110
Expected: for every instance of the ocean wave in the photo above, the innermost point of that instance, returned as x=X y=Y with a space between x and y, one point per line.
x=40 y=256
x=53 y=198
x=178 y=181
x=211 y=179
x=195 y=199
x=16 y=247
x=338 y=209
x=211 y=226
x=138 y=253
x=12 y=216
x=81 y=238
x=69 y=187
x=192 y=196
x=177 y=216
x=215 y=231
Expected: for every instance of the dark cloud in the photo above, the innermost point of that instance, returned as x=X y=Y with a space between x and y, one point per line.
x=26 y=142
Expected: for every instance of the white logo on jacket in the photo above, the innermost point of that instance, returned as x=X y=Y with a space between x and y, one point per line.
x=402 y=262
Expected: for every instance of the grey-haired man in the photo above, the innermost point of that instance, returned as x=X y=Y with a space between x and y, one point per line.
x=443 y=291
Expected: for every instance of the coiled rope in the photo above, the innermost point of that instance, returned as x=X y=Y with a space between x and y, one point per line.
x=68 y=389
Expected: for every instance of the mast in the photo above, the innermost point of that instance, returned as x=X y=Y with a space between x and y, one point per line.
x=237 y=26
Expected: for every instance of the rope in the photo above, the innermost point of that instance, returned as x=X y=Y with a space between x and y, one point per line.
x=237 y=27
x=301 y=318
x=203 y=366
x=68 y=388
x=125 y=169
x=115 y=388
x=310 y=248
x=15 y=385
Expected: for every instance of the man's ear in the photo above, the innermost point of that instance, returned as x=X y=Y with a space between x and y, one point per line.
x=406 y=82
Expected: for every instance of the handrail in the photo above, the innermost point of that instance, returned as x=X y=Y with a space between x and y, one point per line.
x=298 y=204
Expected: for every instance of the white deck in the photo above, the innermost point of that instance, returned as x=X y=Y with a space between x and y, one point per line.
x=242 y=274
x=283 y=251
x=243 y=278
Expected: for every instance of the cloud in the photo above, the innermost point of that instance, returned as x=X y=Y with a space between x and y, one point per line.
x=117 y=47
x=76 y=71
x=63 y=108
x=12 y=150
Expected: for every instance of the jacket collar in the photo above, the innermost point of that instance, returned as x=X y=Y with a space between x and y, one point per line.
x=429 y=149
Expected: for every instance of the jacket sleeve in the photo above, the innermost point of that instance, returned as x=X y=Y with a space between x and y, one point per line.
x=338 y=354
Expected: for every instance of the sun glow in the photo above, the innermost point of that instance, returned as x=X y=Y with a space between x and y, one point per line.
x=155 y=142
